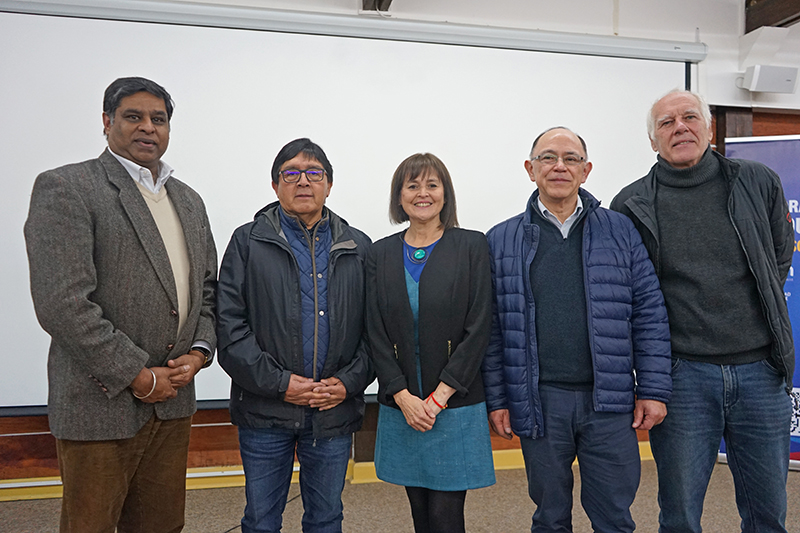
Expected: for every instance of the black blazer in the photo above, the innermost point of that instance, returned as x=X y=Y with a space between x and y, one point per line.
x=454 y=317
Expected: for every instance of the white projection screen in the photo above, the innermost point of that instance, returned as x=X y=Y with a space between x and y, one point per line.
x=241 y=95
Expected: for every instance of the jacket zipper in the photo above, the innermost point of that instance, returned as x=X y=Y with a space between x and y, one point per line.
x=395 y=352
x=449 y=346
x=778 y=360
x=311 y=240
x=529 y=237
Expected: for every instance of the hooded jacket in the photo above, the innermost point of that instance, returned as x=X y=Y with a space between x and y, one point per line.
x=259 y=324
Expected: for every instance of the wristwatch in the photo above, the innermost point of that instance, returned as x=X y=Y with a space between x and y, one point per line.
x=206 y=354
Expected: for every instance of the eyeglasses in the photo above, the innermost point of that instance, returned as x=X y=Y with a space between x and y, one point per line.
x=292 y=175
x=551 y=159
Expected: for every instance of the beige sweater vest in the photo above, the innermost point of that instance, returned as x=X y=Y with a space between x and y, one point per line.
x=169 y=225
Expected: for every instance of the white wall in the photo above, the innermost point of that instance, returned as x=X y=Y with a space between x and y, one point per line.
x=613 y=123
x=240 y=95
x=718 y=23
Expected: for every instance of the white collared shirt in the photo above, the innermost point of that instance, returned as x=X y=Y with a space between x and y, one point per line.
x=567 y=225
x=143 y=176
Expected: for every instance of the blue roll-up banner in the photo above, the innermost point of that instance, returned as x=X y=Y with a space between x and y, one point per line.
x=782 y=154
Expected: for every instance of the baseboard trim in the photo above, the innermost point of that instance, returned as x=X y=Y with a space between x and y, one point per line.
x=216 y=477
x=503 y=460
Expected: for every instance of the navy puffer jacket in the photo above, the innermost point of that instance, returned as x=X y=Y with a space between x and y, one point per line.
x=628 y=329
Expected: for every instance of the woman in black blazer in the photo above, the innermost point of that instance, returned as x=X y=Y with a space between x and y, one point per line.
x=429 y=316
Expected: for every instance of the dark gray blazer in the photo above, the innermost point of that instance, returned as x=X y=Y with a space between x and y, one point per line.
x=103 y=289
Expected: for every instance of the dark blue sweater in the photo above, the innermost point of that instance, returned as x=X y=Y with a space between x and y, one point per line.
x=562 y=334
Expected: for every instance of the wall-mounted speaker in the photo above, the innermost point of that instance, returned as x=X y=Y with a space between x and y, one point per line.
x=769 y=79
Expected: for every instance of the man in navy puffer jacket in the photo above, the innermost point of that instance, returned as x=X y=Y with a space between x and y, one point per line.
x=580 y=355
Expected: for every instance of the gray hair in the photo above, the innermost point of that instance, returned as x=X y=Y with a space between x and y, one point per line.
x=705 y=111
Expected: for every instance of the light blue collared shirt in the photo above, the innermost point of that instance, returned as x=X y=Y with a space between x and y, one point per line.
x=567 y=225
x=143 y=176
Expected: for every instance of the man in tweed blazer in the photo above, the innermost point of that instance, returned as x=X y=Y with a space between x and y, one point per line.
x=123 y=276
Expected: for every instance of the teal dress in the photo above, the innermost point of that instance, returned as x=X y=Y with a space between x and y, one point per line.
x=455 y=455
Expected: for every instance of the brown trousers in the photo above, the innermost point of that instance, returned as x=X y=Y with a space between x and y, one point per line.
x=136 y=485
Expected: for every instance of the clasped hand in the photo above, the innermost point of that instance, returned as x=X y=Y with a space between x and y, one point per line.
x=178 y=373
x=419 y=414
x=323 y=394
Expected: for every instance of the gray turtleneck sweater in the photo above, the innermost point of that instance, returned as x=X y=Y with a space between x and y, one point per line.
x=713 y=305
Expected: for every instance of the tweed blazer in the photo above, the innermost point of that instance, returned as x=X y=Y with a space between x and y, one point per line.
x=103 y=288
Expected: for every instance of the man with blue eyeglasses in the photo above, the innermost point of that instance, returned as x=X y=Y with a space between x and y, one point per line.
x=290 y=313
x=579 y=354
x=719 y=234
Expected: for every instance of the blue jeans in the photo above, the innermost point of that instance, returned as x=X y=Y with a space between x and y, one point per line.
x=268 y=460
x=608 y=457
x=746 y=404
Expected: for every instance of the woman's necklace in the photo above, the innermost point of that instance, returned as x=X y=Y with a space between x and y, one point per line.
x=419 y=256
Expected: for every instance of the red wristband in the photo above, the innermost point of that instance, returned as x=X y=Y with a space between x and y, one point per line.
x=442 y=407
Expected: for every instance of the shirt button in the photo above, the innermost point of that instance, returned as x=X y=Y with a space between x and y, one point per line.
x=319 y=276
x=297 y=424
x=322 y=313
x=317 y=238
x=170 y=347
x=173 y=313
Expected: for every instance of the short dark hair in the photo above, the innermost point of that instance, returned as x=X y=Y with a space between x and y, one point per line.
x=122 y=87
x=293 y=149
x=548 y=130
x=422 y=165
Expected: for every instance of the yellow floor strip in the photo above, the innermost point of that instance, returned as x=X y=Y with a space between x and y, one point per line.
x=364 y=473
x=233 y=476
x=40 y=488
x=503 y=460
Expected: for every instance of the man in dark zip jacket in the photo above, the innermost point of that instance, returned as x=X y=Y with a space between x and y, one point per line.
x=720 y=238
x=290 y=323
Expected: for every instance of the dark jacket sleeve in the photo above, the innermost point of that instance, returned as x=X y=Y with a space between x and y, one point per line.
x=382 y=351
x=492 y=367
x=649 y=327
x=781 y=227
x=465 y=361
x=239 y=353
x=359 y=373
